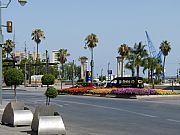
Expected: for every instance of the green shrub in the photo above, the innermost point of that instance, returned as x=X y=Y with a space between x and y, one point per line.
x=51 y=92
x=48 y=79
x=157 y=81
x=80 y=80
x=14 y=77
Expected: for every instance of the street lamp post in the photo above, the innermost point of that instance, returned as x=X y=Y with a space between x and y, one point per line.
x=25 y=66
x=101 y=74
x=22 y=2
x=108 y=71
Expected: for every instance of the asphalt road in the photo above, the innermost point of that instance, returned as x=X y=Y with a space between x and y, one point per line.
x=85 y=115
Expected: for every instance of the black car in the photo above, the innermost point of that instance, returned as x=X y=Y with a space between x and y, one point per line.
x=135 y=82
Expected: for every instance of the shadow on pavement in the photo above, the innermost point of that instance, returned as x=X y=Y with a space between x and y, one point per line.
x=30 y=132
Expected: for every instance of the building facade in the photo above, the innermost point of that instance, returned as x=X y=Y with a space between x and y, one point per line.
x=54 y=56
x=20 y=55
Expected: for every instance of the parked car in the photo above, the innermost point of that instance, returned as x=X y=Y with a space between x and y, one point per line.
x=86 y=84
x=135 y=82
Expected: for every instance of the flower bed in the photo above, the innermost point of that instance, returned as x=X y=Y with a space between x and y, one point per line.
x=117 y=91
x=101 y=91
x=139 y=91
x=165 y=92
x=74 y=91
x=133 y=91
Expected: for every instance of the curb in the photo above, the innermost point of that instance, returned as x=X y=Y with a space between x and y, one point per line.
x=158 y=97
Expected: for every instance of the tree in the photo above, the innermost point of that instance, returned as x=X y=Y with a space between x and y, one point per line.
x=165 y=48
x=123 y=50
x=14 y=77
x=91 y=42
x=102 y=78
x=139 y=53
x=51 y=92
x=8 y=47
x=131 y=62
x=29 y=70
x=147 y=64
x=48 y=79
x=62 y=58
x=130 y=65
x=37 y=35
x=53 y=70
x=71 y=71
x=7 y=50
x=153 y=66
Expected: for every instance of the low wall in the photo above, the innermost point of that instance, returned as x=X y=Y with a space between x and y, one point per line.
x=164 y=87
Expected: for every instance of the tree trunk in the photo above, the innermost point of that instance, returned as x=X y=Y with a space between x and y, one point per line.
x=92 y=65
x=15 y=93
x=62 y=74
x=122 y=67
x=49 y=101
x=149 y=74
x=37 y=58
x=132 y=72
x=137 y=70
x=163 y=69
x=46 y=100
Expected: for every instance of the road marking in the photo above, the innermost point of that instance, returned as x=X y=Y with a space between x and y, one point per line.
x=105 y=107
x=178 y=121
x=165 y=102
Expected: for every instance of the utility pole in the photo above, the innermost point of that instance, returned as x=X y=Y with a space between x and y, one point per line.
x=25 y=75
x=108 y=71
x=29 y=68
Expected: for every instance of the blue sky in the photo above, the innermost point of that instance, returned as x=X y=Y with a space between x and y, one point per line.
x=66 y=23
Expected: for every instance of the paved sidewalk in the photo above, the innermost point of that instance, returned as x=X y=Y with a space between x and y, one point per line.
x=19 y=130
x=39 y=88
x=8 y=130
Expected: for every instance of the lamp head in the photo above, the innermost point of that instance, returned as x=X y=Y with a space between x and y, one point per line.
x=22 y=2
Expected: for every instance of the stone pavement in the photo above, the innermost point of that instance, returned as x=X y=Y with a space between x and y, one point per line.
x=8 y=130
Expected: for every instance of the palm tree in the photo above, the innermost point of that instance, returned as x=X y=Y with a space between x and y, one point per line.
x=62 y=58
x=159 y=70
x=8 y=47
x=131 y=61
x=37 y=35
x=91 y=42
x=123 y=50
x=165 y=48
x=139 y=53
x=153 y=66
